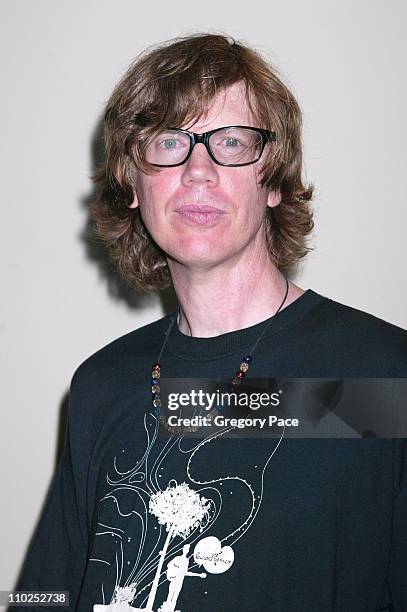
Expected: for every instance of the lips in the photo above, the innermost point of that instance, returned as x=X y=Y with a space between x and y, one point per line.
x=199 y=214
x=198 y=208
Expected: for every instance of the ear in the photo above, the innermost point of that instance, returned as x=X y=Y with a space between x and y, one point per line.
x=274 y=198
x=133 y=178
x=135 y=201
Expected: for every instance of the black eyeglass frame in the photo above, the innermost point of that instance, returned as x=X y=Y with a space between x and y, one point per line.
x=266 y=136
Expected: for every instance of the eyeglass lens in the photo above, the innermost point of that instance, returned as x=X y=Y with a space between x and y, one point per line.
x=228 y=146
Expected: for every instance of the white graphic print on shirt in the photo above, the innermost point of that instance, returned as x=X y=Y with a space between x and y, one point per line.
x=181 y=516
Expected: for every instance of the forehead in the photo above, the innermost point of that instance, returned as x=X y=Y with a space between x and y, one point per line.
x=230 y=106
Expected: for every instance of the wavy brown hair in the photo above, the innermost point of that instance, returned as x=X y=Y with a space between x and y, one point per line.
x=171 y=85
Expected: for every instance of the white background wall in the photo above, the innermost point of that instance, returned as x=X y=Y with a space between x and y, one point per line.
x=344 y=60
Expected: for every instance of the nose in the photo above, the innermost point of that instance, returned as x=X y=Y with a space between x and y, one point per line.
x=200 y=168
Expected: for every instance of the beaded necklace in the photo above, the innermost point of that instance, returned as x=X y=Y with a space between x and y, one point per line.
x=236 y=380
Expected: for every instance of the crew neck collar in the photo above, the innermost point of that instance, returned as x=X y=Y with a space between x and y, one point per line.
x=201 y=349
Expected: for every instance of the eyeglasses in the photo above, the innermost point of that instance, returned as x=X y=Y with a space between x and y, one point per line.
x=234 y=145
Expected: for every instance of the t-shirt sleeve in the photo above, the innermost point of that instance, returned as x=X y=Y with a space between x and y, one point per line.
x=56 y=559
x=398 y=555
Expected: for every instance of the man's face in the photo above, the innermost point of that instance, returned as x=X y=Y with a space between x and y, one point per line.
x=200 y=213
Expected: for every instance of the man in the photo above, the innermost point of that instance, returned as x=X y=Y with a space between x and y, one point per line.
x=202 y=189
x=177 y=570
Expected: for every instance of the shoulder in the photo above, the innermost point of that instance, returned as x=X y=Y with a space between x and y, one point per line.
x=128 y=352
x=348 y=319
x=117 y=369
x=361 y=336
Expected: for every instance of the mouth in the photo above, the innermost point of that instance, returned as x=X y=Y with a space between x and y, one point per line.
x=199 y=214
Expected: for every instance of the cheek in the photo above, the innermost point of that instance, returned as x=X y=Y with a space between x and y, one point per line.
x=151 y=197
x=251 y=200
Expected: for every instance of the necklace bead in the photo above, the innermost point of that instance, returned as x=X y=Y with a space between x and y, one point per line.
x=236 y=380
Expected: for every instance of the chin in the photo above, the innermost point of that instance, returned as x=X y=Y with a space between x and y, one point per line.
x=197 y=255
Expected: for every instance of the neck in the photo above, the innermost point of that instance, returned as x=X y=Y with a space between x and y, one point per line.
x=228 y=297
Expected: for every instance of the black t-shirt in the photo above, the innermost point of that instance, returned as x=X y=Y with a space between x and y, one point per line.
x=316 y=525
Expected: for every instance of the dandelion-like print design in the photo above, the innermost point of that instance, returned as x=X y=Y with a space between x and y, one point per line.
x=173 y=519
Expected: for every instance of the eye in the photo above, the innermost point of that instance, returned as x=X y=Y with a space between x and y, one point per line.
x=232 y=142
x=168 y=147
x=169 y=143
